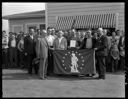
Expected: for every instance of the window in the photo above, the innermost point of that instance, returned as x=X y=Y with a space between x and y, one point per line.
x=17 y=28
x=42 y=26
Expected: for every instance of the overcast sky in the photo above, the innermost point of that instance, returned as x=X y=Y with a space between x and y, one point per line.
x=15 y=8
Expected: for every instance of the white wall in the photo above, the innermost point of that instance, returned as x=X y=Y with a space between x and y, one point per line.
x=5 y=25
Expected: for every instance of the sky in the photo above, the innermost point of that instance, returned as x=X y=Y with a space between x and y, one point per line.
x=15 y=8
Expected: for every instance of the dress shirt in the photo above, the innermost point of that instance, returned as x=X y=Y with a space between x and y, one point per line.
x=31 y=36
x=5 y=42
x=60 y=40
x=89 y=43
x=13 y=43
x=50 y=40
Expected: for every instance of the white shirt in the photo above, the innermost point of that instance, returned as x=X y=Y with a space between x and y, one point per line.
x=89 y=43
x=22 y=44
x=13 y=43
x=5 y=42
x=31 y=36
x=117 y=37
x=122 y=40
x=50 y=39
x=60 y=40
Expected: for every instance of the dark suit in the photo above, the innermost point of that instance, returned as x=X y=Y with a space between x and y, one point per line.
x=29 y=48
x=122 y=58
x=83 y=44
x=101 y=53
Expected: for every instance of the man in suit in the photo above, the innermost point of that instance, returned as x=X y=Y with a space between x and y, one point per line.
x=74 y=41
x=121 y=47
x=29 y=48
x=60 y=43
x=42 y=53
x=88 y=42
x=101 y=52
x=107 y=59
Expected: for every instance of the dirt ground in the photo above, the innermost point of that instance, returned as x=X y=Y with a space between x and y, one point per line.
x=17 y=83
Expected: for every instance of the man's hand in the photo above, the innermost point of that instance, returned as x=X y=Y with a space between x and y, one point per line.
x=78 y=47
x=121 y=48
x=51 y=48
x=95 y=49
x=25 y=54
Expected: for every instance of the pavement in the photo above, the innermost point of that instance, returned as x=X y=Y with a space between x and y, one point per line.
x=17 y=83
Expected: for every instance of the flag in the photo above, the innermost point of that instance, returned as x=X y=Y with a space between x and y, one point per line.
x=74 y=61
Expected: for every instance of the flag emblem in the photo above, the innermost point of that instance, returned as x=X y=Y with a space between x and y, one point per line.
x=75 y=58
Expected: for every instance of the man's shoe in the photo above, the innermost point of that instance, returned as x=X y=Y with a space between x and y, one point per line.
x=45 y=76
x=42 y=78
x=101 y=77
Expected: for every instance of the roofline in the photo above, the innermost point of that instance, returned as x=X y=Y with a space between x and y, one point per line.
x=22 y=15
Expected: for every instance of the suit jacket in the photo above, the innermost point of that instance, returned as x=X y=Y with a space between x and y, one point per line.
x=83 y=44
x=42 y=48
x=29 y=45
x=101 y=45
x=121 y=44
x=61 y=46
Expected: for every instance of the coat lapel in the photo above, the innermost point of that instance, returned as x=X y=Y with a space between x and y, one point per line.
x=57 y=42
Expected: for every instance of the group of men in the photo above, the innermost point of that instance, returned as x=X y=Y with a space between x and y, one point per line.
x=39 y=47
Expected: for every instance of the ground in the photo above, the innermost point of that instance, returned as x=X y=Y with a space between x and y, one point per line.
x=17 y=83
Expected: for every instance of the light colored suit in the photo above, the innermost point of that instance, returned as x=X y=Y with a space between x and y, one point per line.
x=42 y=53
x=60 y=46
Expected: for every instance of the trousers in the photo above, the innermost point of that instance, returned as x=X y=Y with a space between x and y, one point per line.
x=43 y=67
x=101 y=68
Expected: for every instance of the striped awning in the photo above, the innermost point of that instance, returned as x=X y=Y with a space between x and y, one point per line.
x=96 y=21
x=64 y=22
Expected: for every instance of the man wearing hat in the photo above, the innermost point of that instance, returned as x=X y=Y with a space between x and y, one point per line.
x=60 y=43
x=101 y=53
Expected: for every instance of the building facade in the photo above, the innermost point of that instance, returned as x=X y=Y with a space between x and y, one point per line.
x=25 y=21
x=85 y=15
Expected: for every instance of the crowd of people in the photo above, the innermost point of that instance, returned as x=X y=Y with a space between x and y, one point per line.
x=23 y=50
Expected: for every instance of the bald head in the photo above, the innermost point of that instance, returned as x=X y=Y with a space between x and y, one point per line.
x=43 y=33
x=104 y=32
x=100 y=31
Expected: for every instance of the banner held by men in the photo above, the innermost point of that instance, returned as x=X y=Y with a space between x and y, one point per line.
x=74 y=61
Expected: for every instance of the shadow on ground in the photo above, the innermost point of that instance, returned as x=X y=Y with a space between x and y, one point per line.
x=23 y=75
